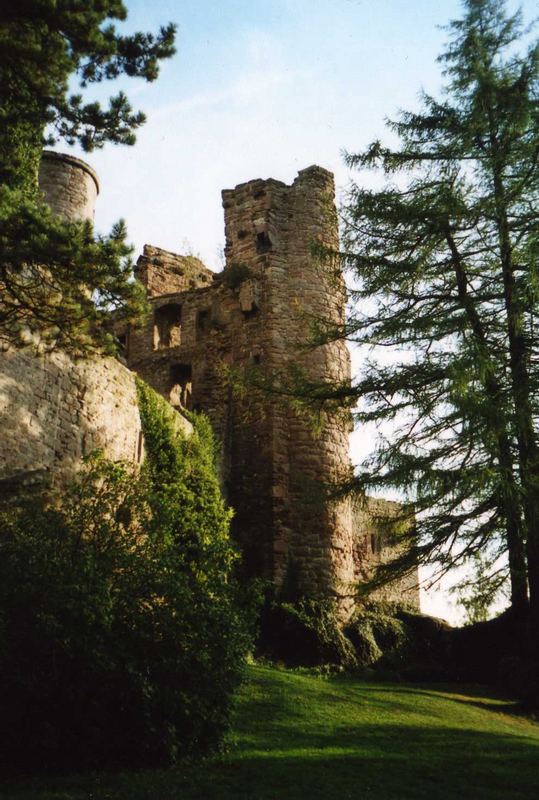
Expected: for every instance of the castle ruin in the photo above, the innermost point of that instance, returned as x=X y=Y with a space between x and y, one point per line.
x=257 y=314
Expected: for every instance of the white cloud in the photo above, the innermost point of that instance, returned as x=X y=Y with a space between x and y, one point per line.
x=243 y=91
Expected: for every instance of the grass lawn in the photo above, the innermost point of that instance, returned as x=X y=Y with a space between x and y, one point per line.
x=298 y=737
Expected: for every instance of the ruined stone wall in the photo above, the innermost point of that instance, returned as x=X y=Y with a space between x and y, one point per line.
x=321 y=537
x=163 y=272
x=219 y=328
x=271 y=228
x=204 y=332
x=258 y=313
x=374 y=545
x=69 y=186
x=54 y=411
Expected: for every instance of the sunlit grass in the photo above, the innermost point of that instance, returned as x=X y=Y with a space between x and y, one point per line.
x=297 y=736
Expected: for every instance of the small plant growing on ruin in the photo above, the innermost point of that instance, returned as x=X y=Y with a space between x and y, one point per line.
x=236 y=274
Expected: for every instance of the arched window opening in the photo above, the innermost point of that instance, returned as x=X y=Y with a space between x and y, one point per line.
x=263 y=242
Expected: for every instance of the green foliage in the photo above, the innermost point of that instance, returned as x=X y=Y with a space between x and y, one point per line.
x=59 y=282
x=480 y=590
x=51 y=272
x=495 y=652
x=185 y=497
x=306 y=632
x=383 y=640
x=444 y=259
x=378 y=637
x=395 y=643
x=121 y=638
x=235 y=274
x=43 y=44
x=518 y=677
x=361 y=634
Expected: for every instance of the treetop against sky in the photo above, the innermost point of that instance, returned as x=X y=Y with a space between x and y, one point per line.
x=260 y=90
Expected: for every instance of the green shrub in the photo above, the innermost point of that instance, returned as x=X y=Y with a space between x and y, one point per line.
x=305 y=633
x=121 y=641
x=428 y=654
x=500 y=651
x=360 y=633
x=380 y=638
x=235 y=274
x=396 y=641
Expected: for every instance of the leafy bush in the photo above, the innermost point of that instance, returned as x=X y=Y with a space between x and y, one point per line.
x=121 y=641
x=477 y=649
x=499 y=651
x=305 y=633
x=392 y=639
x=384 y=640
x=235 y=274
x=429 y=647
x=360 y=632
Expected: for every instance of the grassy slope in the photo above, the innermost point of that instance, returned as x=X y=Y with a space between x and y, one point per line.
x=302 y=737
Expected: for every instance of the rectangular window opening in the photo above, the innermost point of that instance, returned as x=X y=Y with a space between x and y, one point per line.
x=167 y=326
x=203 y=322
x=263 y=242
x=181 y=386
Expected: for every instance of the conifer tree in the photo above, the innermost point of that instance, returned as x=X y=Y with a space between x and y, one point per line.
x=445 y=258
x=44 y=46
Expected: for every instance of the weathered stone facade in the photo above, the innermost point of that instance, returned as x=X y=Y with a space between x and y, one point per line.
x=259 y=313
x=54 y=411
x=374 y=545
x=204 y=328
x=69 y=185
x=162 y=272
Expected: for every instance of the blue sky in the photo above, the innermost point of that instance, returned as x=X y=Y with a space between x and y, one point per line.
x=263 y=89
x=260 y=89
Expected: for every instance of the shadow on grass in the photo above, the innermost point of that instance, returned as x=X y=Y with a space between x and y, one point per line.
x=470 y=696
x=301 y=738
x=373 y=762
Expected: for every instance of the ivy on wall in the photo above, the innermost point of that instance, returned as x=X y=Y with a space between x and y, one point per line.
x=122 y=638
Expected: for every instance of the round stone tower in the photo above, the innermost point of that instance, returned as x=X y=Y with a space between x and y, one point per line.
x=303 y=541
x=69 y=185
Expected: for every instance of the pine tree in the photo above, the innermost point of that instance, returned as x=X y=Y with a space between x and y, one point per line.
x=446 y=262
x=45 y=44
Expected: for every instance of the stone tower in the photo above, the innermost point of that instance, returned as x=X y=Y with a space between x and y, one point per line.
x=56 y=410
x=273 y=228
x=204 y=331
x=259 y=312
x=70 y=186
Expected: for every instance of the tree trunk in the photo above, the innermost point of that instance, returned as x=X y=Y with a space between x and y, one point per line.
x=509 y=499
x=521 y=391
